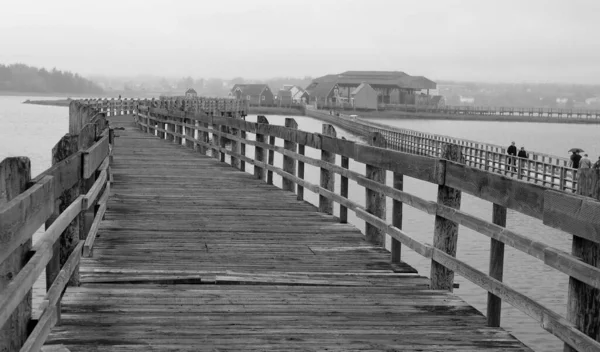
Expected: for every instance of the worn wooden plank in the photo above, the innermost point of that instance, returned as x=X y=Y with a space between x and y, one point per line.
x=90 y=197
x=91 y=236
x=445 y=236
x=583 y=309
x=523 y=197
x=572 y=213
x=24 y=214
x=275 y=273
x=94 y=156
x=327 y=179
x=494 y=303
x=38 y=336
x=15 y=173
x=375 y=201
x=289 y=164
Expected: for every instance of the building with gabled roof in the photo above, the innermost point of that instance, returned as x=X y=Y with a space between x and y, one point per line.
x=364 y=97
x=284 y=97
x=392 y=87
x=256 y=94
x=191 y=93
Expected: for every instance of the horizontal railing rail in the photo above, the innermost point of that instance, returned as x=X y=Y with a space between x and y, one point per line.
x=222 y=136
x=496 y=110
x=544 y=169
x=215 y=106
x=62 y=199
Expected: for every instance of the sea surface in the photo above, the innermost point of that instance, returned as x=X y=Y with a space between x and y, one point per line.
x=31 y=130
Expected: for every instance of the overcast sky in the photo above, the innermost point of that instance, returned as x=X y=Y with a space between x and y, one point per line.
x=480 y=40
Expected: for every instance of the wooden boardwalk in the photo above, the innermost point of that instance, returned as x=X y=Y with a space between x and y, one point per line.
x=194 y=255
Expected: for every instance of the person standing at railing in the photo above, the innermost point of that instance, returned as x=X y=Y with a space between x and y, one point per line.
x=522 y=156
x=585 y=163
x=597 y=164
x=575 y=157
x=512 y=152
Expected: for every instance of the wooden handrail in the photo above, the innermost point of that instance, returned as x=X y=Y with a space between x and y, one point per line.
x=534 y=200
x=53 y=198
x=548 y=170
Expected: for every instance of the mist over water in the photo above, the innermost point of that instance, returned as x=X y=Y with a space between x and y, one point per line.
x=30 y=130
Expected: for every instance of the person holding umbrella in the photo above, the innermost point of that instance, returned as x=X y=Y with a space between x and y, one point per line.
x=575 y=157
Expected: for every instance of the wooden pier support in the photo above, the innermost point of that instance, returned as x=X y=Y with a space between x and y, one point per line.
x=375 y=201
x=494 y=303
x=289 y=163
x=345 y=161
x=397 y=218
x=327 y=179
x=259 y=152
x=445 y=235
x=15 y=174
x=583 y=307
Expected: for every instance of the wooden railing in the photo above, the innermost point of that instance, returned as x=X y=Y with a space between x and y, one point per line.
x=215 y=106
x=543 y=169
x=497 y=110
x=69 y=199
x=574 y=214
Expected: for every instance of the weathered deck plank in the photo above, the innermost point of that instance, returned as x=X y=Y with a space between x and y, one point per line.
x=194 y=255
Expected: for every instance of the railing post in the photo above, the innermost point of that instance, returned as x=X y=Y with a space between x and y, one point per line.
x=300 y=189
x=289 y=163
x=242 y=135
x=375 y=201
x=327 y=178
x=178 y=129
x=15 y=174
x=190 y=133
x=345 y=161
x=397 y=218
x=259 y=152
x=223 y=142
x=205 y=138
x=446 y=231
x=271 y=160
x=494 y=303
x=161 y=125
x=170 y=128
x=235 y=148
x=583 y=308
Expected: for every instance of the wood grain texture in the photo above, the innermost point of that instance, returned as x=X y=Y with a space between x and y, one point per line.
x=327 y=178
x=583 y=308
x=374 y=200
x=445 y=235
x=197 y=256
x=494 y=303
x=15 y=174
x=289 y=164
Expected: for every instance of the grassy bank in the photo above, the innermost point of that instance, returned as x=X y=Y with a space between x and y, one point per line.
x=59 y=102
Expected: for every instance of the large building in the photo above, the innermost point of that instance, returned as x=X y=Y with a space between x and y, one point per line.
x=392 y=87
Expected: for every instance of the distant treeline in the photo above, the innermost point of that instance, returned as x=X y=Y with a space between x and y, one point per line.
x=23 y=78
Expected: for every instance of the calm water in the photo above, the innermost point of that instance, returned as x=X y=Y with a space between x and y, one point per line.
x=29 y=130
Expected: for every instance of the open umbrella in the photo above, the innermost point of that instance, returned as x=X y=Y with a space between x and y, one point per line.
x=576 y=150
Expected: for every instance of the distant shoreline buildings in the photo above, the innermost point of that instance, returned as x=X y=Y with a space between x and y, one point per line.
x=350 y=89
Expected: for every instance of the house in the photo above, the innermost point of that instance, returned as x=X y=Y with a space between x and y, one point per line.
x=284 y=97
x=392 y=87
x=191 y=93
x=299 y=95
x=364 y=97
x=256 y=94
